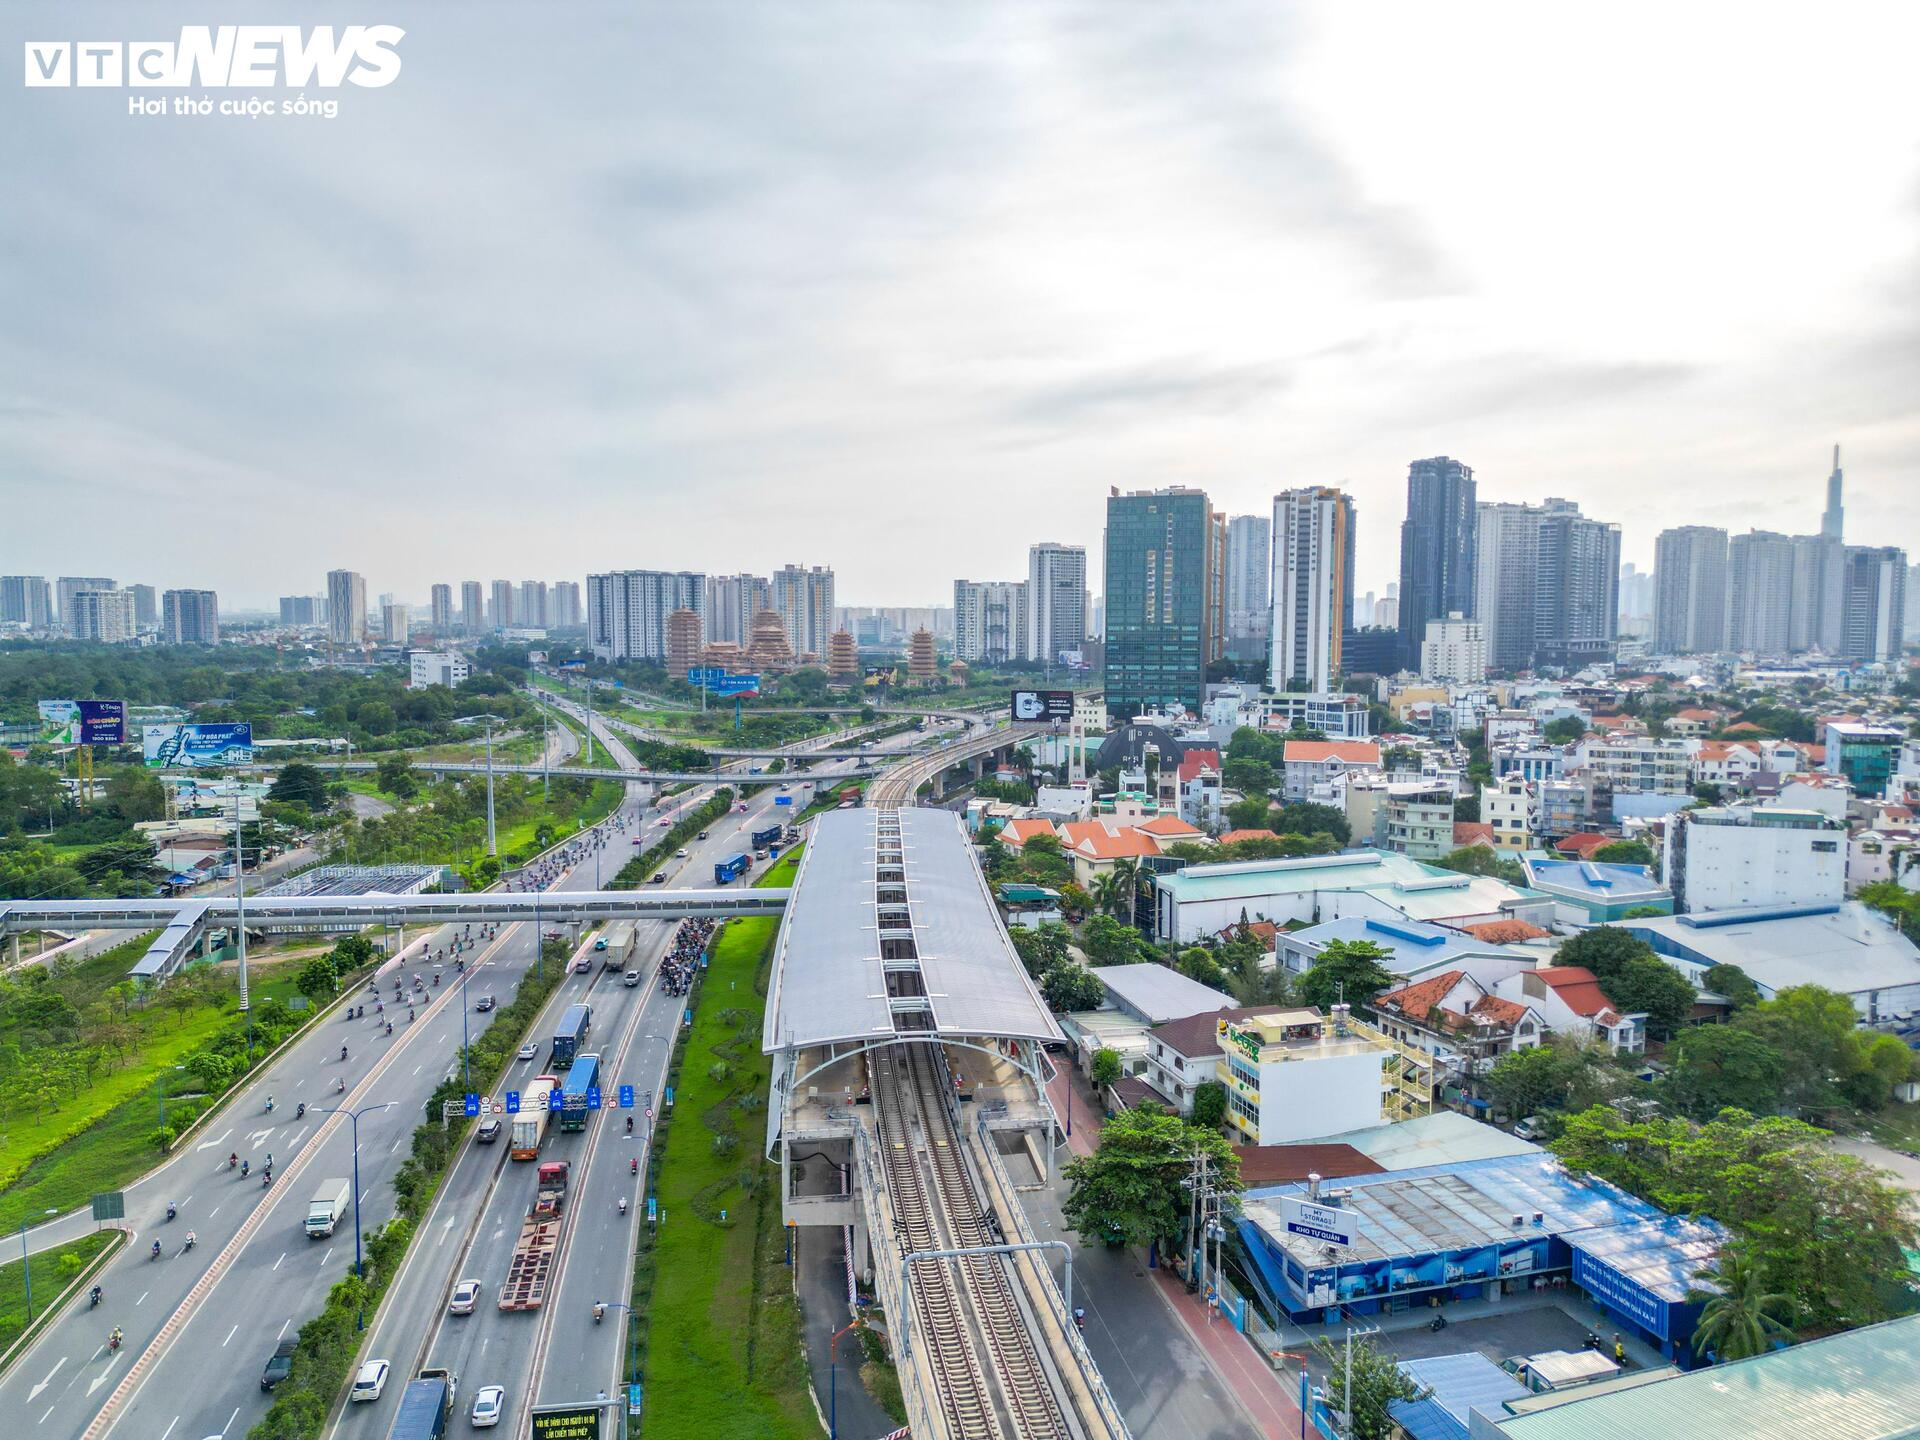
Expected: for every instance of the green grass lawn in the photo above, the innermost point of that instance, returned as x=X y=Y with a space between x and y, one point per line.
x=602 y=803
x=723 y=1350
x=52 y=1269
x=103 y=1136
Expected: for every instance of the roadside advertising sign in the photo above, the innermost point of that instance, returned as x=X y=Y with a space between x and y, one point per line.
x=580 y=1421
x=169 y=747
x=1048 y=705
x=736 y=685
x=1327 y=1223
x=60 y=722
x=103 y=722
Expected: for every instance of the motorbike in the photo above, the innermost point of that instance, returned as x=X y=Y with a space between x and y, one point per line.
x=1439 y=1322
x=188 y=1246
x=113 y=1341
x=154 y=1254
x=170 y=1212
x=623 y=1204
x=94 y=1297
x=300 y=1111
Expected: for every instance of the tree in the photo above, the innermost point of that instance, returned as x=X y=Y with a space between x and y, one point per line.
x=1042 y=946
x=317 y=978
x=1625 y=852
x=1741 y=1317
x=1071 y=986
x=1604 y=950
x=1250 y=777
x=1197 y=963
x=1107 y=941
x=1565 y=730
x=1483 y=860
x=1814 y=1031
x=1374 y=1380
x=1250 y=813
x=1345 y=970
x=1714 y=1067
x=1733 y=983
x=1075 y=901
x=137 y=795
x=1129 y=1191
x=1210 y=1104
x=1105 y=1067
x=1307 y=817
x=394 y=774
x=1650 y=985
x=1525 y=1082
x=300 y=784
x=1105 y=888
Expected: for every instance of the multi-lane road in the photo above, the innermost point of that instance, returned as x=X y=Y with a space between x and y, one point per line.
x=199 y=1326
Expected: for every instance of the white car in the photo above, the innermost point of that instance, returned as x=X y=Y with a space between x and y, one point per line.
x=487 y=1406
x=465 y=1296
x=371 y=1380
x=681 y=853
x=529 y=1050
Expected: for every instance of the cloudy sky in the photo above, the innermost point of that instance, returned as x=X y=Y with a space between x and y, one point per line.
x=902 y=287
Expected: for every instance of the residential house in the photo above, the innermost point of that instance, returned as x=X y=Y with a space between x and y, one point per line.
x=1419 y=820
x=1198 y=777
x=1096 y=846
x=1415 y=950
x=1297 y=1075
x=1590 y=893
x=1314 y=768
x=1569 y=999
x=1468 y=833
x=1184 y=1054
x=1727 y=763
x=1507 y=807
x=1457 y=1020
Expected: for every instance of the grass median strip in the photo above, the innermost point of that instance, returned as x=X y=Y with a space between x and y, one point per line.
x=52 y=1269
x=715 y=1319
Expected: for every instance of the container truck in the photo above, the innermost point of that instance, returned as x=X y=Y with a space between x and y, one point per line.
x=762 y=839
x=425 y=1407
x=530 y=1125
x=584 y=1076
x=730 y=869
x=572 y=1033
x=616 y=945
x=326 y=1207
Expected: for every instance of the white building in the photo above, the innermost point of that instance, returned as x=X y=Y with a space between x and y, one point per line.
x=440 y=609
x=1292 y=1076
x=1312 y=586
x=190 y=617
x=804 y=600
x=1727 y=857
x=473 y=613
x=346 y=607
x=103 y=615
x=1638 y=763
x=1509 y=806
x=531 y=611
x=1336 y=715
x=1454 y=650
x=436 y=667
x=990 y=621
x=564 y=610
x=396 y=622
x=627 y=610
x=1056 y=601
x=503 y=611
x=69 y=586
x=26 y=600
x=732 y=602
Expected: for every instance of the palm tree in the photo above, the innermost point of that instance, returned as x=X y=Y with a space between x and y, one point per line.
x=1103 y=889
x=1743 y=1318
x=1126 y=878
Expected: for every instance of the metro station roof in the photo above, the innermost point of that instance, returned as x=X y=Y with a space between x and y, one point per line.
x=829 y=981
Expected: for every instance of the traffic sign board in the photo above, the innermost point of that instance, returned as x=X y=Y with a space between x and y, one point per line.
x=513 y=1102
x=626 y=1097
x=593 y=1097
x=472 y=1104
x=554 y=1099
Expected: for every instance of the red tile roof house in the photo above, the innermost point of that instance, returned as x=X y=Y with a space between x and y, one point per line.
x=1457 y=1020
x=1171 y=829
x=1313 y=764
x=1569 y=999
x=1095 y=846
x=1584 y=844
x=1471 y=832
x=1198 y=782
x=1017 y=832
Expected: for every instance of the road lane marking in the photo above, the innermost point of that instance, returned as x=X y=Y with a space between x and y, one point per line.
x=143 y=1296
x=34 y=1394
x=169 y=1430
x=213 y=1212
x=283 y=1326
x=230 y=1419
x=43 y=1418
x=230 y=1334
x=283 y=1256
x=105 y=1375
x=326 y=1257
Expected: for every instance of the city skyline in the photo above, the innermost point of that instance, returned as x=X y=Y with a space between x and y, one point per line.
x=1292 y=285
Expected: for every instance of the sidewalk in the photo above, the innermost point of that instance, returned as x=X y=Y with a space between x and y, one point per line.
x=1266 y=1396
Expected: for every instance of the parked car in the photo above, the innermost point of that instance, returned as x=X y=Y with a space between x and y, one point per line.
x=529 y=1050
x=371 y=1380
x=279 y=1365
x=488 y=1132
x=465 y=1296
x=1531 y=1128
x=487 y=1405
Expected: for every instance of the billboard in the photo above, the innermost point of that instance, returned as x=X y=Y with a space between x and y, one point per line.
x=1328 y=1224
x=60 y=722
x=736 y=685
x=1048 y=705
x=186 y=746
x=566 y=1422
x=103 y=722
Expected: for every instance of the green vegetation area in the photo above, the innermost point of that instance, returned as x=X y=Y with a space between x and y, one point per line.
x=328 y=1343
x=88 y=1062
x=715 y=1320
x=639 y=870
x=50 y=1274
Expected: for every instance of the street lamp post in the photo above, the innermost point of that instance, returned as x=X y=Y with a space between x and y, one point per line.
x=353 y=1116
x=631 y=1377
x=26 y=1260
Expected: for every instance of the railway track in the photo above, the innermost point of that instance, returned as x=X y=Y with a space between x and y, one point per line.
x=962 y=1305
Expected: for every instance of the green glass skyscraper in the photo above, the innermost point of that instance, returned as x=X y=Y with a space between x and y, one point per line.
x=1165 y=598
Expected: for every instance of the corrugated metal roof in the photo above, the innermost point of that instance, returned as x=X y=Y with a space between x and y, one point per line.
x=829 y=983
x=1863 y=1385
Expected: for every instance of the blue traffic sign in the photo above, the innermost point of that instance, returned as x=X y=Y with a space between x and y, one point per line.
x=553 y=1100
x=593 y=1097
x=626 y=1097
x=513 y=1102
x=472 y=1105
x=650 y=1208
x=783 y=800
x=636 y=1397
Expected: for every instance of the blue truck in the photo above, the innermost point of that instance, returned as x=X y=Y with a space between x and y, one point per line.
x=731 y=869
x=425 y=1406
x=572 y=1033
x=763 y=840
x=584 y=1076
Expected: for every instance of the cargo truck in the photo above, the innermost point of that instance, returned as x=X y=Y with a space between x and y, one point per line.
x=572 y=1033
x=425 y=1407
x=326 y=1207
x=532 y=1263
x=584 y=1076
x=616 y=945
x=730 y=869
x=763 y=839
x=530 y=1125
